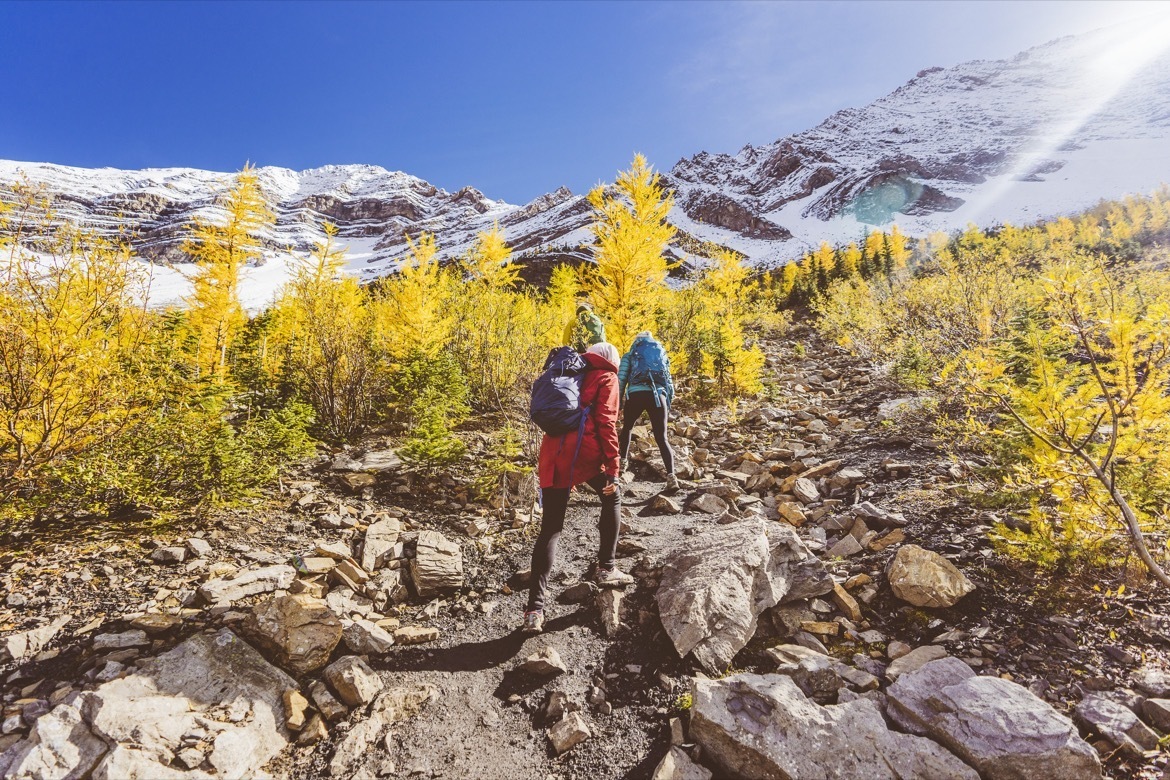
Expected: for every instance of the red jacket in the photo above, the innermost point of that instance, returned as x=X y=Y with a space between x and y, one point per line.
x=599 y=448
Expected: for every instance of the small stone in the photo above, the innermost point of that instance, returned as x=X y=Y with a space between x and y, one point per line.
x=821 y=628
x=1118 y=724
x=792 y=513
x=1153 y=682
x=200 y=548
x=609 y=603
x=295 y=705
x=336 y=550
x=896 y=649
x=313 y=732
x=356 y=683
x=806 y=490
x=366 y=638
x=1157 y=713
x=155 y=623
x=914 y=660
x=709 y=503
x=136 y=638
x=663 y=505
x=546 y=662
x=889 y=539
x=846 y=547
x=169 y=555
x=190 y=758
x=568 y=733
x=846 y=603
x=325 y=701
x=414 y=635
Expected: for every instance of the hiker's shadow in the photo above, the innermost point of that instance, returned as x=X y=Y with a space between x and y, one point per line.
x=471 y=656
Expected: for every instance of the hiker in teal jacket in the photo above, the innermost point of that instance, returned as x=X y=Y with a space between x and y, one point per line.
x=645 y=386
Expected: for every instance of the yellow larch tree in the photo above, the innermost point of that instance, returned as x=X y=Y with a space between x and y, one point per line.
x=631 y=235
x=413 y=315
x=220 y=250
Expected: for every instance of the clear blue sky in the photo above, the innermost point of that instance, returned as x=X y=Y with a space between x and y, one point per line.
x=513 y=98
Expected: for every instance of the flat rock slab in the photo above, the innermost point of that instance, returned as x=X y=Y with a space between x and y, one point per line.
x=24 y=645
x=215 y=685
x=715 y=586
x=1000 y=728
x=249 y=583
x=763 y=726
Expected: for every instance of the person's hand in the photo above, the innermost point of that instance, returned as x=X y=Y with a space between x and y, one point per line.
x=611 y=488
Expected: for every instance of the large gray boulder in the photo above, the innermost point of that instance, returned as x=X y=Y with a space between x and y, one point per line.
x=298 y=632
x=764 y=728
x=1000 y=728
x=715 y=586
x=437 y=567
x=214 y=687
x=1117 y=723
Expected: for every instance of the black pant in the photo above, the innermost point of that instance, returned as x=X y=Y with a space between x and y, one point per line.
x=556 y=502
x=644 y=401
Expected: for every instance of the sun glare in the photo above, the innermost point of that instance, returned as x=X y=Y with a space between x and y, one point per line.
x=1122 y=52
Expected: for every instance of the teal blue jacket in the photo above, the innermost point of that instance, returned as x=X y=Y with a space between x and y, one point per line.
x=625 y=388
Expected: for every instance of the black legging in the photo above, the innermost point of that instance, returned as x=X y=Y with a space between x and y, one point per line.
x=544 y=554
x=644 y=401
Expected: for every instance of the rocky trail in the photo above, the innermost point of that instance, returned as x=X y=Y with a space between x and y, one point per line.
x=821 y=600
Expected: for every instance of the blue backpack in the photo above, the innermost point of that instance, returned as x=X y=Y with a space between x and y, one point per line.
x=556 y=394
x=648 y=364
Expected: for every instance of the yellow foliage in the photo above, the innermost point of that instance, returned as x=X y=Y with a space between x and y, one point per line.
x=631 y=234
x=414 y=312
x=220 y=251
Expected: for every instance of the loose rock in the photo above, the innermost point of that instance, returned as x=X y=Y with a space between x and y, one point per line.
x=926 y=579
x=354 y=682
x=298 y=631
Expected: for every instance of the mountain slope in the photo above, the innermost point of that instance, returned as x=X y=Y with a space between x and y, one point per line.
x=1049 y=131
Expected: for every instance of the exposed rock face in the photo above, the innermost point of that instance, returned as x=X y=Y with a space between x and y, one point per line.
x=926 y=579
x=213 y=685
x=998 y=727
x=438 y=565
x=299 y=632
x=762 y=726
x=715 y=586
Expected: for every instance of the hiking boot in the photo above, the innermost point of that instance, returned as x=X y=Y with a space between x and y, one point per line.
x=672 y=485
x=612 y=578
x=533 y=622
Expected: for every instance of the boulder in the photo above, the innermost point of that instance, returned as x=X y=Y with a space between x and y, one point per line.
x=381 y=460
x=663 y=505
x=546 y=662
x=709 y=503
x=249 y=583
x=21 y=646
x=1000 y=728
x=717 y=583
x=926 y=579
x=677 y=765
x=366 y=638
x=1153 y=681
x=169 y=555
x=298 y=632
x=379 y=544
x=1117 y=723
x=1157 y=713
x=354 y=682
x=211 y=684
x=438 y=565
x=569 y=732
x=763 y=726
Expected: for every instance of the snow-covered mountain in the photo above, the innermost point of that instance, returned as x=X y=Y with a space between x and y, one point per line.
x=1049 y=131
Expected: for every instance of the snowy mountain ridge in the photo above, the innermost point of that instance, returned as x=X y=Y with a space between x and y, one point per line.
x=1049 y=131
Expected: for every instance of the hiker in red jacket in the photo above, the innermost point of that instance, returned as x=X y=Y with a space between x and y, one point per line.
x=563 y=465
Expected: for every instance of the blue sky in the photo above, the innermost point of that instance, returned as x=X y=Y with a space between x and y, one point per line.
x=513 y=98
